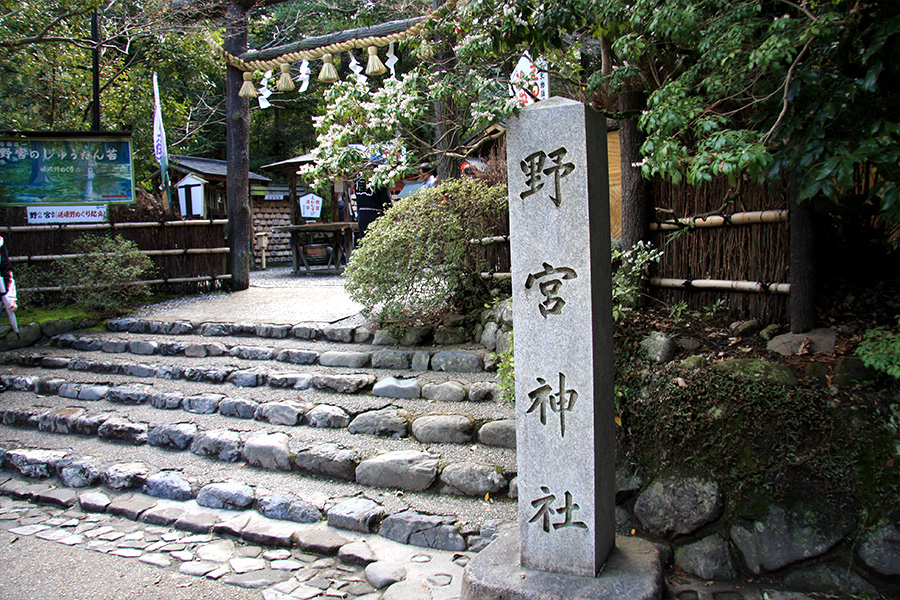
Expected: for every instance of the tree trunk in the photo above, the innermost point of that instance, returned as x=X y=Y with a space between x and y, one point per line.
x=802 y=306
x=445 y=133
x=237 y=137
x=636 y=201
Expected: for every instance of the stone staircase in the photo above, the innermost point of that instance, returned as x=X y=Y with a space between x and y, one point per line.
x=254 y=432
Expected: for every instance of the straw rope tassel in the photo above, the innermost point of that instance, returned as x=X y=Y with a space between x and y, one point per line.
x=328 y=74
x=375 y=66
x=285 y=83
x=247 y=89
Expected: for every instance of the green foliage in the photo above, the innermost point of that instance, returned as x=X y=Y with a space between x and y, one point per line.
x=102 y=279
x=506 y=369
x=630 y=276
x=880 y=350
x=415 y=261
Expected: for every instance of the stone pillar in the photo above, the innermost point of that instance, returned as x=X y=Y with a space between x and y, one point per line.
x=560 y=247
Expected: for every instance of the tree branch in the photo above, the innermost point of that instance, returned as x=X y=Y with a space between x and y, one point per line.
x=787 y=84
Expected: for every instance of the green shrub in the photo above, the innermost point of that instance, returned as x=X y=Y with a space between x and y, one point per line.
x=416 y=263
x=105 y=277
x=880 y=350
x=630 y=275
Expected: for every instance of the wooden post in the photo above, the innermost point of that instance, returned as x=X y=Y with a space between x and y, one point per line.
x=802 y=307
x=635 y=190
x=237 y=128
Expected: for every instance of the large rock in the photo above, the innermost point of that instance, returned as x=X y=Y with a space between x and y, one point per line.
x=443 y=429
x=223 y=444
x=674 y=506
x=35 y=463
x=251 y=352
x=61 y=420
x=165 y=400
x=352 y=360
x=357 y=514
x=297 y=357
x=229 y=495
x=834 y=579
x=817 y=341
x=386 y=422
x=472 y=479
x=343 y=384
x=125 y=476
x=402 y=469
x=709 y=559
x=392 y=359
x=202 y=404
x=327 y=460
x=659 y=347
x=427 y=531
x=248 y=378
x=288 y=507
x=129 y=394
x=879 y=550
x=457 y=360
x=123 y=430
x=327 y=416
x=788 y=535
x=268 y=451
x=754 y=369
x=394 y=387
x=286 y=412
x=177 y=436
x=484 y=391
x=498 y=433
x=448 y=391
x=169 y=485
x=80 y=472
x=242 y=408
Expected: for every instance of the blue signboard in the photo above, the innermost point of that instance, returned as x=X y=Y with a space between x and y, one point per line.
x=88 y=170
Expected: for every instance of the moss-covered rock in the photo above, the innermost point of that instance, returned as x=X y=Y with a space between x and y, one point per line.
x=754 y=369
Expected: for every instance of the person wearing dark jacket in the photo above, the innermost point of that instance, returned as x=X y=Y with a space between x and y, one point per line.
x=371 y=202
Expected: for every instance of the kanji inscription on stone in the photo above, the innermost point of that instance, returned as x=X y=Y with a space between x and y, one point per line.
x=560 y=247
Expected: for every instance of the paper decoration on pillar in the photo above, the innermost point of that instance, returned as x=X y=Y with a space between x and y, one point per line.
x=392 y=60
x=264 y=91
x=303 y=76
x=357 y=70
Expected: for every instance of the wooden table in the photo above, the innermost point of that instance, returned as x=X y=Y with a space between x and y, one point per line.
x=340 y=247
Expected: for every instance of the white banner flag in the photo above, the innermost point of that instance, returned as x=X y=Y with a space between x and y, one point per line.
x=160 y=149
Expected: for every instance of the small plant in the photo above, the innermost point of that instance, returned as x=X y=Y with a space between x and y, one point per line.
x=506 y=369
x=676 y=310
x=880 y=350
x=105 y=275
x=630 y=276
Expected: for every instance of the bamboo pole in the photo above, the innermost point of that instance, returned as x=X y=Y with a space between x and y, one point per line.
x=722 y=284
x=499 y=276
x=145 y=282
x=741 y=218
x=487 y=241
x=175 y=252
x=98 y=226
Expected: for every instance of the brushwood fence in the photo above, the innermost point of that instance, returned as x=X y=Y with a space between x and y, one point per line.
x=188 y=256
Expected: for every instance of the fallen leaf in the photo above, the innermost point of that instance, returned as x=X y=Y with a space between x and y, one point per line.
x=618 y=420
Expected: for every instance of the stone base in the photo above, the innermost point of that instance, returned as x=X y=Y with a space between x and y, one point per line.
x=632 y=572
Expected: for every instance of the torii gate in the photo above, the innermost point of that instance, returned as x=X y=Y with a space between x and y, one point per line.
x=240 y=65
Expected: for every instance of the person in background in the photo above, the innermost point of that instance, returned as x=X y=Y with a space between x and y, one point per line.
x=426 y=171
x=371 y=202
x=10 y=297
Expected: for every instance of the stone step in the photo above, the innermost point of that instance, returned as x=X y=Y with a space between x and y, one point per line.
x=419 y=359
x=283 y=559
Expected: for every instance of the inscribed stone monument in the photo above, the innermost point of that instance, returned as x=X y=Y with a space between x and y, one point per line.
x=560 y=247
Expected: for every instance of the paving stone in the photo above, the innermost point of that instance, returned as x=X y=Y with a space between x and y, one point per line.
x=242 y=408
x=195 y=350
x=357 y=553
x=257 y=579
x=165 y=400
x=286 y=565
x=245 y=565
x=251 y=352
x=286 y=412
x=448 y=391
x=228 y=495
x=61 y=420
x=177 y=436
x=196 y=521
x=29 y=529
x=260 y=530
x=248 y=378
x=268 y=451
x=127 y=552
x=468 y=478
x=288 y=507
x=90 y=424
x=386 y=422
x=202 y=404
x=197 y=568
x=327 y=460
x=327 y=416
x=297 y=381
x=129 y=394
x=223 y=444
x=156 y=559
x=484 y=391
x=72 y=540
x=306 y=331
x=123 y=476
x=381 y=574
x=319 y=541
x=62 y=497
x=182 y=555
x=501 y=432
x=402 y=469
x=169 y=485
x=53 y=535
x=392 y=359
x=93 y=501
x=443 y=429
x=357 y=514
x=219 y=551
x=338 y=333
x=163 y=515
